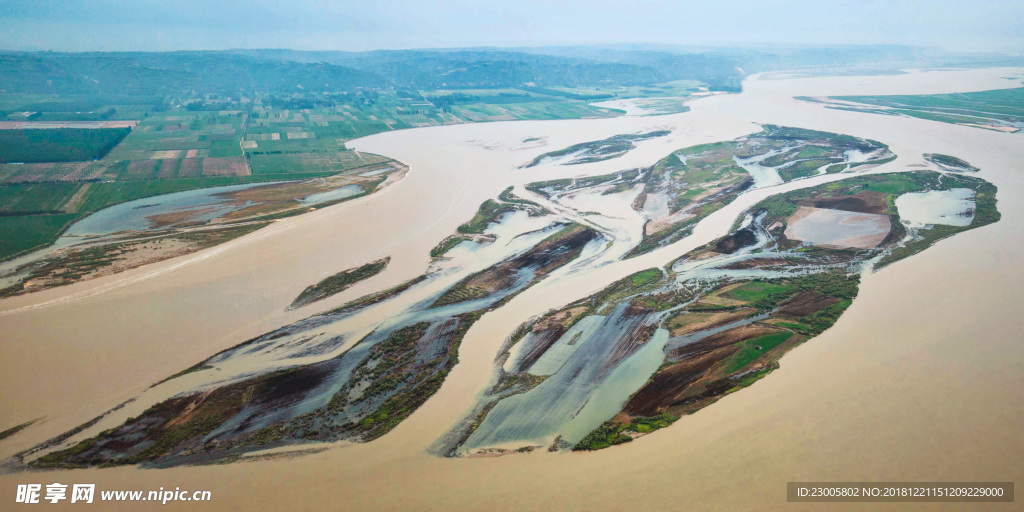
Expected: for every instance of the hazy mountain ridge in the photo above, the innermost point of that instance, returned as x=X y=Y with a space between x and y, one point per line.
x=283 y=71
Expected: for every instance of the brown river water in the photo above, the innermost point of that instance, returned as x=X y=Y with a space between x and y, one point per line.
x=919 y=380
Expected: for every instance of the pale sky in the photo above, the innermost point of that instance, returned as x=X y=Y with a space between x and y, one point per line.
x=108 y=25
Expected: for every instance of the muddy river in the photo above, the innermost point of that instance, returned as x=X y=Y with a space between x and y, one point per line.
x=918 y=380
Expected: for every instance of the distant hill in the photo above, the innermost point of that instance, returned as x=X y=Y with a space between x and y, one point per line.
x=284 y=71
x=169 y=73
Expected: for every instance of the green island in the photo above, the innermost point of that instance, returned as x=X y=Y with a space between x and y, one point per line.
x=596 y=151
x=788 y=310
x=15 y=429
x=724 y=313
x=950 y=163
x=490 y=211
x=502 y=276
x=448 y=244
x=339 y=282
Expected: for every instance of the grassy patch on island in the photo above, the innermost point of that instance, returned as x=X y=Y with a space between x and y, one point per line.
x=339 y=282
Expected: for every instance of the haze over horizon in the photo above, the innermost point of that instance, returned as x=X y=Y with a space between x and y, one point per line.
x=121 y=25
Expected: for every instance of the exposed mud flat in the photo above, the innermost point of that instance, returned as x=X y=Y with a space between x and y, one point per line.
x=837 y=228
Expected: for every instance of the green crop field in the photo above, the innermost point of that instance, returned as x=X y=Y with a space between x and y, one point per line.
x=314 y=163
x=41 y=197
x=755 y=291
x=58 y=144
x=755 y=348
x=646 y=276
x=25 y=232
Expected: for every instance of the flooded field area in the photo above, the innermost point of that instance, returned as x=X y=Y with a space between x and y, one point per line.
x=166 y=211
x=947 y=207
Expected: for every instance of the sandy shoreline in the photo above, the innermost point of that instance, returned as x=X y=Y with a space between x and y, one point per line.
x=898 y=389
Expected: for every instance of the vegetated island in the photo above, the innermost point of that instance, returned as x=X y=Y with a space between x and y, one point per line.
x=693 y=182
x=339 y=282
x=489 y=212
x=596 y=151
x=950 y=163
x=666 y=342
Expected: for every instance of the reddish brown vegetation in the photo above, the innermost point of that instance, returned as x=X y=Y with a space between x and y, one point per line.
x=868 y=201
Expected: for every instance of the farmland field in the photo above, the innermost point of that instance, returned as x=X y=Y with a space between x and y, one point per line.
x=50 y=172
x=58 y=145
x=29 y=231
x=42 y=197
